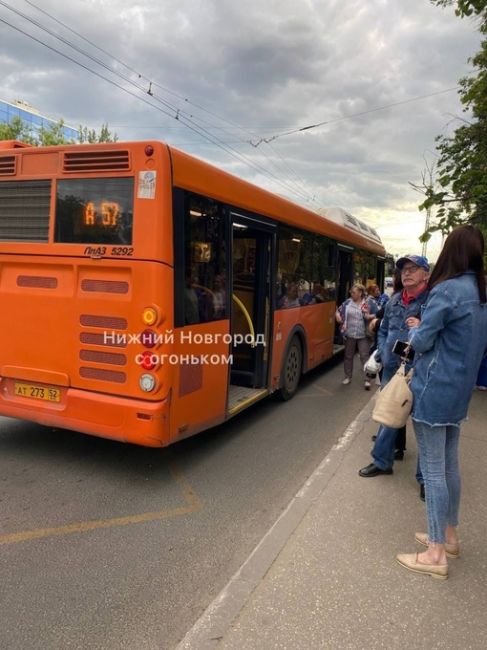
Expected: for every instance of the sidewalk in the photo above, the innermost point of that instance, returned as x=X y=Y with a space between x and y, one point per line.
x=325 y=576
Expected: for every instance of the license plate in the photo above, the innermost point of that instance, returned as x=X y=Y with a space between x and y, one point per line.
x=37 y=392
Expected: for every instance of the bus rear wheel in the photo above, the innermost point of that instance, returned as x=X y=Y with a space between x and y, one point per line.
x=291 y=370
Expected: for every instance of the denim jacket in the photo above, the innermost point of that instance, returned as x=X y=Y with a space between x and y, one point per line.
x=393 y=327
x=449 y=344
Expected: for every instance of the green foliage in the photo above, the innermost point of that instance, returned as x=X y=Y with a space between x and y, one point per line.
x=53 y=135
x=17 y=129
x=460 y=193
x=464 y=7
x=90 y=135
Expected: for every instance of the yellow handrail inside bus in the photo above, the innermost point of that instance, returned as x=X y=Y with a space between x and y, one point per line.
x=247 y=318
x=200 y=286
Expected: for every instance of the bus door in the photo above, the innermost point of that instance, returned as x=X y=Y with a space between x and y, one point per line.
x=344 y=280
x=253 y=246
x=380 y=273
x=344 y=273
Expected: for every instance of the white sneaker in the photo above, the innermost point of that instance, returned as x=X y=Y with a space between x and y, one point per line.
x=346 y=381
x=367 y=384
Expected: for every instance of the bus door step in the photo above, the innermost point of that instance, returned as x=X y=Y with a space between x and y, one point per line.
x=242 y=378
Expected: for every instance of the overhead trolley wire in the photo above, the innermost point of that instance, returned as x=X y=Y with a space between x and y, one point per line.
x=354 y=115
x=179 y=113
x=139 y=74
x=300 y=183
x=186 y=121
x=84 y=53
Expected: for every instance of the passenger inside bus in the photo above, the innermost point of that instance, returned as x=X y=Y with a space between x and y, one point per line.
x=218 y=298
x=290 y=299
x=316 y=295
x=191 y=301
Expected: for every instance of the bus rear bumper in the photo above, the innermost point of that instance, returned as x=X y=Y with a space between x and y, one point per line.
x=106 y=416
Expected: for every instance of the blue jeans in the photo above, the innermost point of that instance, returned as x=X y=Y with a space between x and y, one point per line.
x=419 y=476
x=384 y=447
x=438 y=458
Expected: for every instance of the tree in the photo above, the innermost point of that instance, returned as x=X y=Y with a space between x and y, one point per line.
x=17 y=129
x=460 y=194
x=464 y=7
x=87 y=135
x=53 y=135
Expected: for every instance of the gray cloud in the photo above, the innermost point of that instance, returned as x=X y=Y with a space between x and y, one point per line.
x=269 y=66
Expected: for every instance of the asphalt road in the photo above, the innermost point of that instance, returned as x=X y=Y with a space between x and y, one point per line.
x=109 y=546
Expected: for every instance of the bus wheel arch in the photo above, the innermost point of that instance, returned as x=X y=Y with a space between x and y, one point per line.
x=293 y=364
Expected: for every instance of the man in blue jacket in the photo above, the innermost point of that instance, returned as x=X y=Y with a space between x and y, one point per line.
x=402 y=305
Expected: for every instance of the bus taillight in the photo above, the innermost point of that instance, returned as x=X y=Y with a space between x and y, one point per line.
x=148 y=338
x=148 y=360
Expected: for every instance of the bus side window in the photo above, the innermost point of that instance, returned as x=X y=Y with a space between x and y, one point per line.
x=206 y=293
x=324 y=269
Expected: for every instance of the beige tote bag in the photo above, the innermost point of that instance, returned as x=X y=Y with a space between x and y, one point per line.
x=394 y=402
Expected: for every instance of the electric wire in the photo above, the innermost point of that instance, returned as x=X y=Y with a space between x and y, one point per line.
x=190 y=117
x=300 y=183
x=236 y=126
x=353 y=116
x=302 y=192
x=83 y=52
x=195 y=129
x=139 y=74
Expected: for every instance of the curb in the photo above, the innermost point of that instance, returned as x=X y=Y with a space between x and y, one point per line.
x=215 y=621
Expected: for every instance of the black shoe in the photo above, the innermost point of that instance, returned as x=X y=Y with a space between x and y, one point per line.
x=374 y=438
x=373 y=470
x=421 y=492
x=399 y=454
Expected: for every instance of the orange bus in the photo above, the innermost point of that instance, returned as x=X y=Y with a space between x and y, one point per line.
x=147 y=295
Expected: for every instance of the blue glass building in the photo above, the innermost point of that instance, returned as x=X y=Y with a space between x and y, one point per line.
x=33 y=118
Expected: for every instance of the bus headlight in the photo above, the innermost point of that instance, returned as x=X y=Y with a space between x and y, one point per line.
x=147 y=382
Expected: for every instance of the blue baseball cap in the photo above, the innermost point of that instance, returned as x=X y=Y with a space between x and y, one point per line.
x=419 y=260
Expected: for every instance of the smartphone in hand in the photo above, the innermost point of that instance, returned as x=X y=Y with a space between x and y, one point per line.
x=404 y=350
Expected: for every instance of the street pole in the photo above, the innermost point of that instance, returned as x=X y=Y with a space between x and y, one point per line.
x=428 y=210
x=426 y=227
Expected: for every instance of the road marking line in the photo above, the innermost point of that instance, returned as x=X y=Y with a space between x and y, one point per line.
x=193 y=504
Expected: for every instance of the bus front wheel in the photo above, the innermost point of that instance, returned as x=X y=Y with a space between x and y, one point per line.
x=291 y=370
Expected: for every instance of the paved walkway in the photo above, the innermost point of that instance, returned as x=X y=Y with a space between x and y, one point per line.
x=325 y=575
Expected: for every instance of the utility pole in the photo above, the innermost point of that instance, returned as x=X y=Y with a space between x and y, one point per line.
x=426 y=226
x=430 y=171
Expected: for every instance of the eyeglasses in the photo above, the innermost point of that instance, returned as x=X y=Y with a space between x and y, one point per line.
x=410 y=269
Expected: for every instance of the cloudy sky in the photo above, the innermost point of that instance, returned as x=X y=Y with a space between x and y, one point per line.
x=235 y=73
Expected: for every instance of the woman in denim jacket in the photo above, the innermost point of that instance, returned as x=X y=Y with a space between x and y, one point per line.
x=449 y=342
